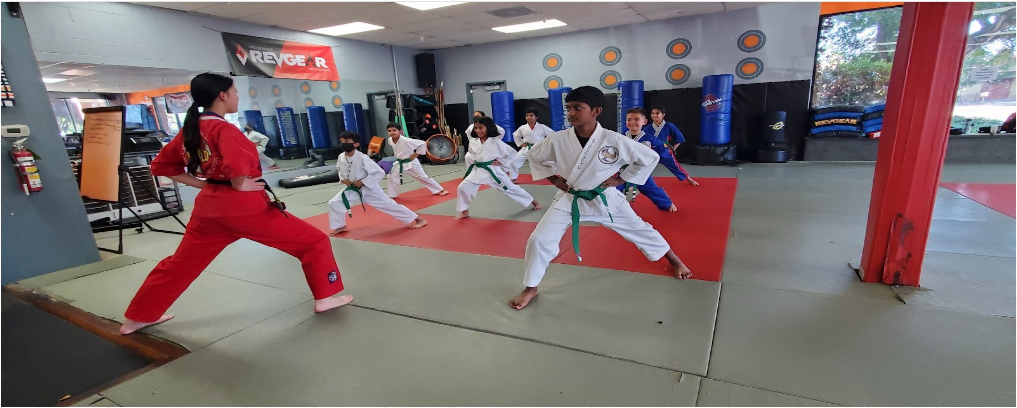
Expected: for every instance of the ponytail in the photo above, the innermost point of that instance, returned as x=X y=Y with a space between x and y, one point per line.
x=192 y=138
x=205 y=88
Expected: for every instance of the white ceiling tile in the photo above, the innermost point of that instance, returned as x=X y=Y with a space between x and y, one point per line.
x=440 y=22
x=182 y=6
x=234 y=10
x=472 y=8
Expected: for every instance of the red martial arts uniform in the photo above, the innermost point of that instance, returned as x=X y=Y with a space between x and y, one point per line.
x=222 y=215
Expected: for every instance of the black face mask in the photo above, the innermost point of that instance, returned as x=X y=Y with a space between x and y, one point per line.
x=347 y=147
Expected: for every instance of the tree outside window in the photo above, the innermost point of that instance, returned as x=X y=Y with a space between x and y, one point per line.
x=854 y=58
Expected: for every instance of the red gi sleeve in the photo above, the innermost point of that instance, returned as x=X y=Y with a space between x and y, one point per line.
x=239 y=157
x=170 y=160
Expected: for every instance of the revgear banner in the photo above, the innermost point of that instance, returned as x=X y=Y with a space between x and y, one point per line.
x=265 y=57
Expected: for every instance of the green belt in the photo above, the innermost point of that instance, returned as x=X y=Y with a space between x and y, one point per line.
x=588 y=195
x=346 y=201
x=486 y=166
x=401 y=162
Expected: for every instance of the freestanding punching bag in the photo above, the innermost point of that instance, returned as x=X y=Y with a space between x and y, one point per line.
x=353 y=119
x=630 y=95
x=503 y=107
x=254 y=118
x=321 y=140
x=288 y=138
x=715 y=120
x=772 y=148
x=559 y=115
x=319 y=127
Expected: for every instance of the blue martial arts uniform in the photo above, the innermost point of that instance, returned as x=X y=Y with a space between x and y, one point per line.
x=650 y=189
x=669 y=136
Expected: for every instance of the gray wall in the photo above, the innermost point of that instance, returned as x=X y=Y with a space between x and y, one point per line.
x=141 y=36
x=47 y=231
x=787 y=55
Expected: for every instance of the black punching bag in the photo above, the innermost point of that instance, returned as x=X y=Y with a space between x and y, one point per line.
x=772 y=139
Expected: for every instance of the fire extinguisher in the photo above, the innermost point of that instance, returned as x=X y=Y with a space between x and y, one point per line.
x=28 y=172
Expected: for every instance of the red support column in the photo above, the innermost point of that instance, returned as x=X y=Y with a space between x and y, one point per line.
x=916 y=123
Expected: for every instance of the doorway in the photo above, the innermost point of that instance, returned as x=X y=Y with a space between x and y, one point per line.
x=379 y=116
x=478 y=95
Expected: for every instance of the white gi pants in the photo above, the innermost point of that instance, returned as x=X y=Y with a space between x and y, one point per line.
x=411 y=169
x=266 y=162
x=517 y=162
x=467 y=191
x=542 y=246
x=381 y=202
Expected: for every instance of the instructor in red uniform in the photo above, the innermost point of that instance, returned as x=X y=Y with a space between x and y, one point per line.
x=232 y=205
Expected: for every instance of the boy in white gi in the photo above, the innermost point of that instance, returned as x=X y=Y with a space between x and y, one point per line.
x=529 y=134
x=406 y=151
x=589 y=159
x=361 y=177
x=487 y=159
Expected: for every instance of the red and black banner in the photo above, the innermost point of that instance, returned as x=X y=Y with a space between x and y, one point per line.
x=265 y=57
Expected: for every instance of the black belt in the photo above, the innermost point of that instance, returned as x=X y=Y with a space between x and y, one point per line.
x=275 y=199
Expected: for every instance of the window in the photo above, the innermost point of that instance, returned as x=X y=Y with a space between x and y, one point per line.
x=68 y=113
x=854 y=57
x=985 y=95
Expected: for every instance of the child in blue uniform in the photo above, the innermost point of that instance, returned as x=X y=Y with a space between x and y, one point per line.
x=635 y=119
x=669 y=135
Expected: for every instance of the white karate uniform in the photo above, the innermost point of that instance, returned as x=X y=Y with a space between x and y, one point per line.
x=491 y=149
x=360 y=167
x=585 y=169
x=403 y=149
x=260 y=143
x=524 y=137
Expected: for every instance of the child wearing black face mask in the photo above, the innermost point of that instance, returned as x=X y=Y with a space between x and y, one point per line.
x=361 y=177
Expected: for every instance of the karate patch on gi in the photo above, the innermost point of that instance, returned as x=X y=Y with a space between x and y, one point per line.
x=608 y=155
x=332 y=277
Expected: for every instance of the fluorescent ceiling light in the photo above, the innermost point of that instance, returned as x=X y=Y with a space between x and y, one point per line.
x=344 y=29
x=539 y=25
x=53 y=80
x=428 y=5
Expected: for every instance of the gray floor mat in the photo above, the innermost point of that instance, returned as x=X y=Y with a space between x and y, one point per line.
x=495 y=205
x=967 y=283
x=819 y=267
x=212 y=308
x=358 y=357
x=862 y=352
x=650 y=319
x=973 y=237
x=800 y=228
x=713 y=393
x=65 y=275
x=149 y=245
x=96 y=401
x=953 y=206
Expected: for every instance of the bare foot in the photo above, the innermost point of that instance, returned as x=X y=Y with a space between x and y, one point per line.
x=418 y=223
x=338 y=231
x=442 y=193
x=464 y=214
x=523 y=298
x=536 y=206
x=131 y=326
x=330 y=303
x=673 y=208
x=681 y=271
x=515 y=181
x=691 y=181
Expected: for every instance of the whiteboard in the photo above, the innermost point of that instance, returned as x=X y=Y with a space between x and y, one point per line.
x=101 y=153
